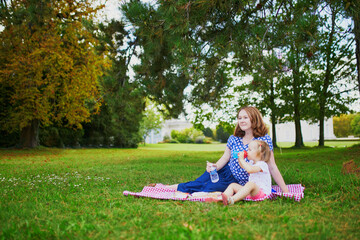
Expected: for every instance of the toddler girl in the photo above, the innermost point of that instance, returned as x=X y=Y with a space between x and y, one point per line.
x=259 y=184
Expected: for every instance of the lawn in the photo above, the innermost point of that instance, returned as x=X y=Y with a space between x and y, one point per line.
x=77 y=194
x=221 y=147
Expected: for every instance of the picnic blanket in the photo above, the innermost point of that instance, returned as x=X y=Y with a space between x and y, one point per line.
x=160 y=191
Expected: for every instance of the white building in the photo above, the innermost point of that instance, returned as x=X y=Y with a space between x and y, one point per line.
x=285 y=132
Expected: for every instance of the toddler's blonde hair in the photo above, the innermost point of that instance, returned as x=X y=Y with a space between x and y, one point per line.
x=263 y=150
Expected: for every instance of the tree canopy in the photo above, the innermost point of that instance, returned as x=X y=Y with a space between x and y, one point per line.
x=294 y=60
x=206 y=46
x=48 y=67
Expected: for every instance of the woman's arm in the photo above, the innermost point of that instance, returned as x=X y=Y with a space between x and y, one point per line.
x=222 y=161
x=275 y=173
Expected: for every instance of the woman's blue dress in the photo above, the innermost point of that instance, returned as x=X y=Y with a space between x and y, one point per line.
x=230 y=173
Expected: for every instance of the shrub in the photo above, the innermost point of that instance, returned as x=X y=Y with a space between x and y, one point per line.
x=173 y=141
x=200 y=139
x=188 y=135
x=355 y=125
x=49 y=137
x=221 y=135
x=174 y=134
x=183 y=139
x=70 y=137
x=342 y=125
x=60 y=137
x=166 y=139
x=9 y=139
x=208 y=132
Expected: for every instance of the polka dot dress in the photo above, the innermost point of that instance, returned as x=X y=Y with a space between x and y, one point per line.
x=236 y=144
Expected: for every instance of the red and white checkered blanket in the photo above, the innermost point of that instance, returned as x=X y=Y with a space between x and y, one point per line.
x=160 y=191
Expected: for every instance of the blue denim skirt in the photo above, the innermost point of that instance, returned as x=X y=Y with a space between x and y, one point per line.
x=204 y=184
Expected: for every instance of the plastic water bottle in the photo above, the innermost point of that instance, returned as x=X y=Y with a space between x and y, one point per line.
x=214 y=175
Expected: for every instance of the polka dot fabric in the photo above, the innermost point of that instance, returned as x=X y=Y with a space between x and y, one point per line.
x=236 y=144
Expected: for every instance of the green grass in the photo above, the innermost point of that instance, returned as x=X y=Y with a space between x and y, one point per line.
x=77 y=194
x=328 y=143
x=221 y=147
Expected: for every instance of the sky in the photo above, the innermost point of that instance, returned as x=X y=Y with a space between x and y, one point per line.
x=111 y=9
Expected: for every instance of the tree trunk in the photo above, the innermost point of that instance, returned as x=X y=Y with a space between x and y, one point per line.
x=354 y=12
x=273 y=115
x=297 y=114
x=327 y=80
x=274 y=140
x=29 y=137
x=298 y=135
x=357 y=41
x=321 y=133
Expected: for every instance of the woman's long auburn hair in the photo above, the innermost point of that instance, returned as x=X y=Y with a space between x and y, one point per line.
x=257 y=123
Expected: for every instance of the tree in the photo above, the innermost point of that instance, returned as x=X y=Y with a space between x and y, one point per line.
x=264 y=89
x=48 y=66
x=124 y=99
x=100 y=130
x=296 y=28
x=352 y=9
x=187 y=43
x=332 y=70
x=152 y=121
x=279 y=81
x=158 y=73
x=205 y=41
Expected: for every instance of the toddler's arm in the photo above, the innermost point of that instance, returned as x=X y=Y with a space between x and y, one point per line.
x=249 y=168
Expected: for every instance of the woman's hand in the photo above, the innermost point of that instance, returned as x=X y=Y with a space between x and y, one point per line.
x=221 y=162
x=275 y=173
x=209 y=165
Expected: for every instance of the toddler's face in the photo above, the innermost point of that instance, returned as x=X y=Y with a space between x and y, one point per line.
x=253 y=150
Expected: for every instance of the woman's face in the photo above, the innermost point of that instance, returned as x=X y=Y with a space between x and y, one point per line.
x=244 y=120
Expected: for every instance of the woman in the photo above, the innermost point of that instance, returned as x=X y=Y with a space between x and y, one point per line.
x=250 y=126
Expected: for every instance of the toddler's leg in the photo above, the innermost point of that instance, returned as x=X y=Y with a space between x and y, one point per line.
x=232 y=189
x=249 y=188
x=229 y=192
